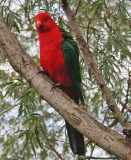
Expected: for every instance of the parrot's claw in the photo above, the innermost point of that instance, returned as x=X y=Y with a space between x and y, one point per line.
x=43 y=72
x=55 y=85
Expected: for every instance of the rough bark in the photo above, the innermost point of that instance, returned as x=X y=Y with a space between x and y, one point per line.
x=83 y=46
x=104 y=137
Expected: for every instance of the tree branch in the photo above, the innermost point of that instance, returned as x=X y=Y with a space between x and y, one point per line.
x=123 y=104
x=8 y=109
x=28 y=38
x=51 y=146
x=102 y=136
x=127 y=93
x=128 y=110
x=77 y=7
x=83 y=46
x=91 y=157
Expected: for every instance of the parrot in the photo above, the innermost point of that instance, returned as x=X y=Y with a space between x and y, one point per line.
x=59 y=58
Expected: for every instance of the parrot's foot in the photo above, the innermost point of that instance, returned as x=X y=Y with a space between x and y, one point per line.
x=43 y=72
x=55 y=85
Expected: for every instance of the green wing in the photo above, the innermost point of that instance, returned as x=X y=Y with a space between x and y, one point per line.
x=71 y=56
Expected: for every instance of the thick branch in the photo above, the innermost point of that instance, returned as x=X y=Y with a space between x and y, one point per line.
x=104 y=137
x=83 y=46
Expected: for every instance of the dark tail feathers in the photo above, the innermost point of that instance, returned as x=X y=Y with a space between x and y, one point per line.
x=76 y=140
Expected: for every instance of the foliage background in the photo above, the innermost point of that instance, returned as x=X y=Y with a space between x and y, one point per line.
x=25 y=128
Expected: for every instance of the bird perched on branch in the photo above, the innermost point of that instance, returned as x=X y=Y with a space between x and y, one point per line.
x=59 y=58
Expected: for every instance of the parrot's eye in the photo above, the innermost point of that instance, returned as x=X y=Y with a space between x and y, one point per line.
x=46 y=19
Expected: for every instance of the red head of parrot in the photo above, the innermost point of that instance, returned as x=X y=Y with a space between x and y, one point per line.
x=44 y=23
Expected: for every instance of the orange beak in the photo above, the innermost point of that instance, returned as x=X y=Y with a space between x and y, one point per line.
x=39 y=24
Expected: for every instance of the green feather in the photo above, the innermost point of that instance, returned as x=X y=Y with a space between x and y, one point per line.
x=71 y=56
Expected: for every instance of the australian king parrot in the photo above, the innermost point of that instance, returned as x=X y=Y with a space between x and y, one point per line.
x=59 y=58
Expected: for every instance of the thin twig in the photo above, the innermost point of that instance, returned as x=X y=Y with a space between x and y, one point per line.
x=88 y=142
x=110 y=117
x=105 y=115
x=127 y=94
x=77 y=7
x=123 y=104
x=88 y=27
x=92 y=150
x=51 y=146
x=21 y=4
x=9 y=109
x=91 y=157
x=25 y=37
